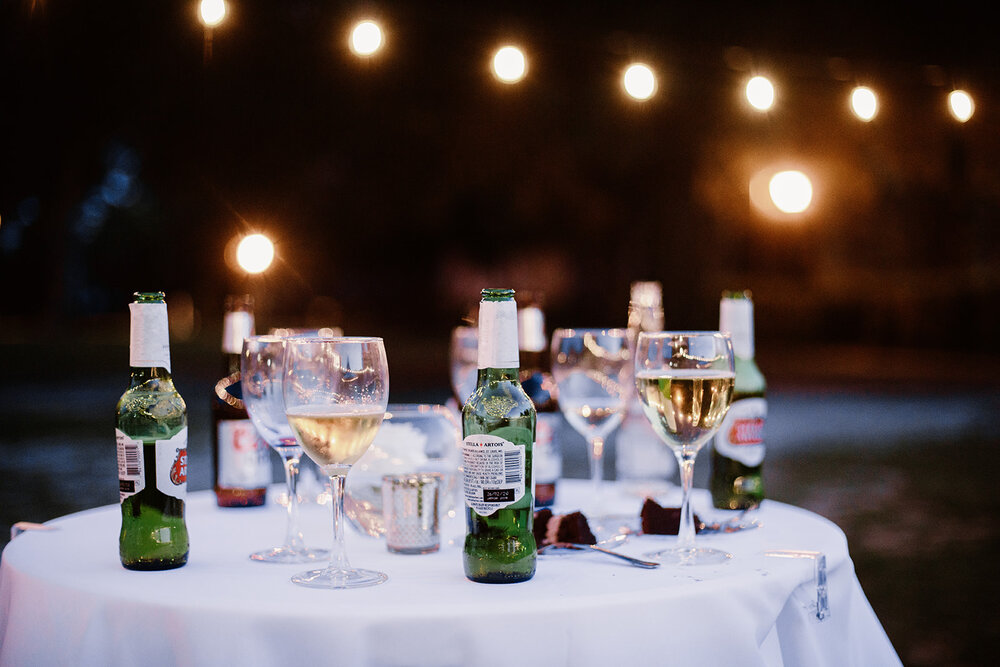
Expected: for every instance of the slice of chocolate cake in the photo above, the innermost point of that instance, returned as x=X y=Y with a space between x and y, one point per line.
x=572 y=527
x=659 y=520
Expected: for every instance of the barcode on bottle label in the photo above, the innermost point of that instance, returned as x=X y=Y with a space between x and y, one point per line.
x=493 y=470
x=170 y=465
x=130 y=465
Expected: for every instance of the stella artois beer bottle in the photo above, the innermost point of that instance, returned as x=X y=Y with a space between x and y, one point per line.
x=242 y=460
x=151 y=432
x=738 y=446
x=498 y=427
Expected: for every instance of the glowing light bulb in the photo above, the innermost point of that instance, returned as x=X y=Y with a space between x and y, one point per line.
x=255 y=253
x=212 y=12
x=961 y=105
x=639 y=81
x=864 y=103
x=791 y=191
x=760 y=93
x=366 y=38
x=509 y=64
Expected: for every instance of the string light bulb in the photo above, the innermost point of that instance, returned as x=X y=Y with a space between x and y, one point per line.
x=254 y=253
x=791 y=191
x=961 y=105
x=864 y=103
x=509 y=64
x=212 y=12
x=639 y=81
x=366 y=38
x=760 y=93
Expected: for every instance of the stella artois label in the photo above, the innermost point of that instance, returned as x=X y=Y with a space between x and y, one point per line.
x=171 y=465
x=493 y=469
x=741 y=436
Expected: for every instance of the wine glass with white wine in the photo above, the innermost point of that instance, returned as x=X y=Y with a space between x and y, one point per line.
x=685 y=383
x=590 y=367
x=336 y=391
x=262 y=369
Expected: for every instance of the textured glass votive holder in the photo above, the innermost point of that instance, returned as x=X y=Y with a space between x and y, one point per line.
x=410 y=509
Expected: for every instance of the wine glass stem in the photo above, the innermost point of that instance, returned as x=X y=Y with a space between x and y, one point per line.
x=685 y=532
x=338 y=555
x=293 y=536
x=596 y=463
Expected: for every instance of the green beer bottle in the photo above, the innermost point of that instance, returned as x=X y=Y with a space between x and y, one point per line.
x=498 y=427
x=738 y=446
x=151 y=433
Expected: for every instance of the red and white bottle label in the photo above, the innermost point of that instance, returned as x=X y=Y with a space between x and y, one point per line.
x=171 y=465
x=244 y=461
x=741 y=436
x=546 y=462
x=493 y=469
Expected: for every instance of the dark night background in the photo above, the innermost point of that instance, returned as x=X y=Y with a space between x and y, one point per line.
x=395 y=188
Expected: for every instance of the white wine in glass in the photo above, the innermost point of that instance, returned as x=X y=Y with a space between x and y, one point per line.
x=685 y=384
x=336 y=392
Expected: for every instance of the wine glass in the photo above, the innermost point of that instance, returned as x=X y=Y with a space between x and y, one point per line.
x=261 y=369
x=336 y=391
x=464 y=361
x=685 y=383
x=590 y=367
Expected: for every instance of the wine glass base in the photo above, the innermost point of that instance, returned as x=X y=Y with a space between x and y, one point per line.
x=331 y=578
x=286 y=555
x=690 y=556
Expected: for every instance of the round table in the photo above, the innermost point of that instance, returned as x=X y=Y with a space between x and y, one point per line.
x=65 y=599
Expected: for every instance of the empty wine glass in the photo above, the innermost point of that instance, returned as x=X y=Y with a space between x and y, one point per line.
x=261 y=370
x=685 y=383
x=464 y=360
x=336 y=391
x=590 y=367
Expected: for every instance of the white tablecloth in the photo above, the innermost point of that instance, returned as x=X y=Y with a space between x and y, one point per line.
x=65 y=599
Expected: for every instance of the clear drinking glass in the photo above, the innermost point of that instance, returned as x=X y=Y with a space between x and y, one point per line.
x=464 y=359
x=590 y=367
x=336 y=391
x=261 y=370
x=685 y=383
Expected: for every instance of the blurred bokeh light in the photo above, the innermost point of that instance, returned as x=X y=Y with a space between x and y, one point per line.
x=639 y=81
x=366 y=38
x=212 y=12
x=509 y=64
x=864 y=103
x=255 y=253
x=791 y=191
x=760 y=93
x=961 y=105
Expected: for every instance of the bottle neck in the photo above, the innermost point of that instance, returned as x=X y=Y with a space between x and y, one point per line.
x=488 y=375
x=142 y=374
x=149 y=338
x=736 y=319
x=237 y=325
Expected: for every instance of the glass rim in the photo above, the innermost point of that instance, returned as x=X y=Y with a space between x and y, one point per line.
x=332 y=339
x=264 y=338
x=606 y=331
x=688 y=334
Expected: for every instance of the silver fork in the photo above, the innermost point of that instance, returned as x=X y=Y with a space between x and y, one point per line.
x=648 y=564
